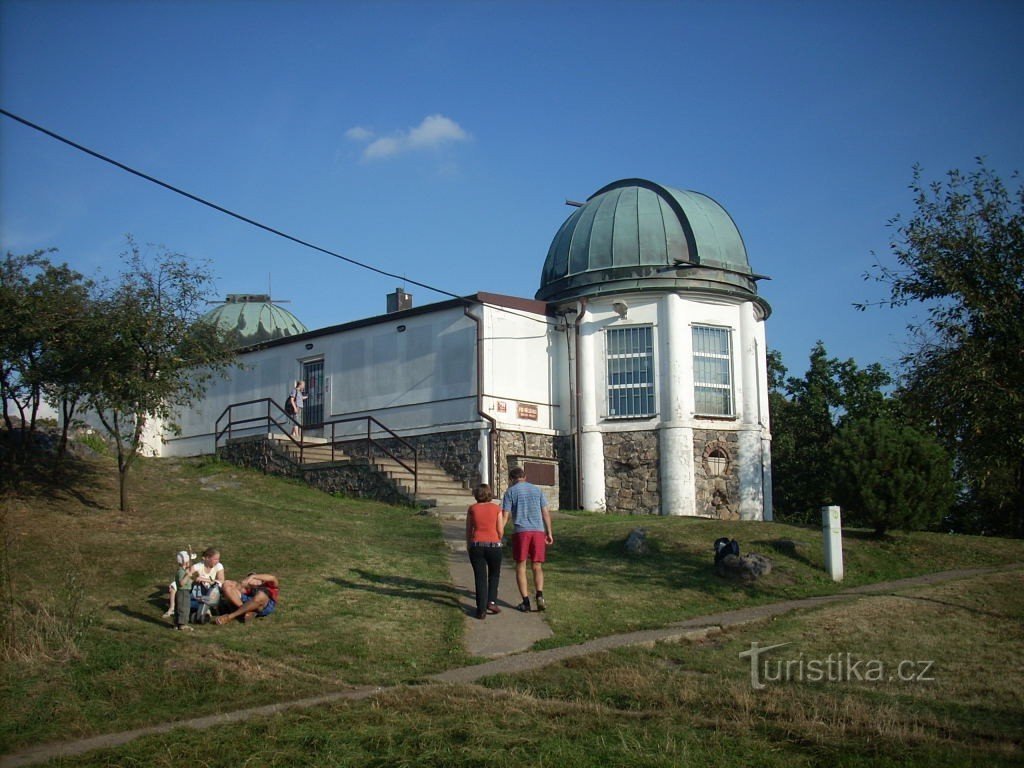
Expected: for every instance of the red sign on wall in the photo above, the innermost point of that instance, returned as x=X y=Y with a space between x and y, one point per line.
x=527 y=411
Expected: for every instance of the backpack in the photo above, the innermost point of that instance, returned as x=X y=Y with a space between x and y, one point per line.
x=202 y=614
x=724 y=547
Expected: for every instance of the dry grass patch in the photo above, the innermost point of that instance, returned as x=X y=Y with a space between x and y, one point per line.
x=974 y=706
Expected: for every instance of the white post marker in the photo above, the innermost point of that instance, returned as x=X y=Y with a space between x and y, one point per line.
x=832 y=538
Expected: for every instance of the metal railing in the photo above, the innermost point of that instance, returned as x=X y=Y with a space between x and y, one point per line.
x=265 y=415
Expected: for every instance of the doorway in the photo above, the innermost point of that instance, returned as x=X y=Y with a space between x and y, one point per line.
x=313 y=374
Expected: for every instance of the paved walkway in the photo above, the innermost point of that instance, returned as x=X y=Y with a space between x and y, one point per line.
x=500 y=634
x=521 y=662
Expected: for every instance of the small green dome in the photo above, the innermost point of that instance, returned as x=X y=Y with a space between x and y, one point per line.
x=634 y=235
x=254 y=319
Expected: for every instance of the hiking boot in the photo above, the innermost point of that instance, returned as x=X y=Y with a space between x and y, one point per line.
x=540 y=603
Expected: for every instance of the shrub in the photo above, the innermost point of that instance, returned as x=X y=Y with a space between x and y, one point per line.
x=888 y=475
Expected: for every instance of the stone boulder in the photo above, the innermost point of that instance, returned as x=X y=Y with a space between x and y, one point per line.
x=636 y=542
x=748 y=567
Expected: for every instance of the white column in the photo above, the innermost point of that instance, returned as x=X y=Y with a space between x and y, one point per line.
x=591 y=443
x=832 y=538
x=678 y=490
x=764 y=418
x=750 y=467
x=483 y=442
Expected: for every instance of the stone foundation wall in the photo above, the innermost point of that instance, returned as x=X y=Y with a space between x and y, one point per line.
x=631 y=472
x=357 y=480
x=565 y=452
x=258 y=453
x=513 y=446
x=718 y=494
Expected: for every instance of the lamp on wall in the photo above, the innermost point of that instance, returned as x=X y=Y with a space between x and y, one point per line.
x=621 y=308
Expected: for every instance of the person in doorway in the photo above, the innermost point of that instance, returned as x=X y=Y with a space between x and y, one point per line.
x=293 y=406
x=528 y=509
x=255 y=595
x=485 y=522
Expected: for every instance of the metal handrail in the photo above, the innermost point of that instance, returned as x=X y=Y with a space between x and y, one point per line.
x=272 y=423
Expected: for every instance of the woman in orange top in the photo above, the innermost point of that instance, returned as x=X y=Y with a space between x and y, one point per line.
x=485 y=523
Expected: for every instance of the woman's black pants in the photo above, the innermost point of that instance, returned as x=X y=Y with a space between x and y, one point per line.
x=486 y=562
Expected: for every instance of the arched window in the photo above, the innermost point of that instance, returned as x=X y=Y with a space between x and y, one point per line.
x=717 y=462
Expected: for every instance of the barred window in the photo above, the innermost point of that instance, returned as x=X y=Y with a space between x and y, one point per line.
x=630 y=354
x=712 y=370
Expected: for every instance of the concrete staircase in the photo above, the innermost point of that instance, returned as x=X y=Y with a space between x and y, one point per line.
x=436 y=488
x=315 y=450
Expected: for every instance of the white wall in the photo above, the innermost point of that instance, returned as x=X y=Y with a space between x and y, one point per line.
x=524 y=363
x=676 y=416
x=412 y=380
x=415 y=374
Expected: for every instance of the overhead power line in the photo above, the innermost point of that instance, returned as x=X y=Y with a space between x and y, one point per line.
x=239 y=216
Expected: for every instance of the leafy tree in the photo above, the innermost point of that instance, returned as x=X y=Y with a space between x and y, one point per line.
x=158 y=353
x=961 y=256
x=888 y=475
x=43 y=308
x=806 y=415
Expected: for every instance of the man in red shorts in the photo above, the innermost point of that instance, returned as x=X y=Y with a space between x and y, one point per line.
x=531 y=516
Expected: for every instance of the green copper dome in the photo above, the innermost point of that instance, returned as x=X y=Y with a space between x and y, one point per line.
x=255 y=319
x=637 y=235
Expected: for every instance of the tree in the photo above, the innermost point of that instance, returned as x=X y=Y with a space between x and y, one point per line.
x=43 y=310
x=806 y=415
x=961 y=256
x=888 y=475
x=158 y=353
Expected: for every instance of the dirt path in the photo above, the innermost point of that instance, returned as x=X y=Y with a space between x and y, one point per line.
x=520 y=662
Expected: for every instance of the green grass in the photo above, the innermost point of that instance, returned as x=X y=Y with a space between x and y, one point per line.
x=594 y=589
x=366 y=599
x=687 y=703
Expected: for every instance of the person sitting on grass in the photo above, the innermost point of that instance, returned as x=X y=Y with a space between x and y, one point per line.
x=255 y=595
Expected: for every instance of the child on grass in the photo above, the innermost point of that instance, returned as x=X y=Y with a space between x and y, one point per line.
x=183 y=591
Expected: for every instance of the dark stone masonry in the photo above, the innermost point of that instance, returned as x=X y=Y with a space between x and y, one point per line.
x=715 y=474
x=631 y=472
x=358 y=479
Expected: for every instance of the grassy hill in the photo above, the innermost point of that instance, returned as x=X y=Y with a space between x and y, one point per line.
x=366 y=600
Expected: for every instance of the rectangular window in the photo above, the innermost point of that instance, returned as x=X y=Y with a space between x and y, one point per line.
x=630 y=354
x=712 y=370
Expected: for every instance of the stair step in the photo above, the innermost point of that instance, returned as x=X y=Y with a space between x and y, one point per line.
x=435 y=487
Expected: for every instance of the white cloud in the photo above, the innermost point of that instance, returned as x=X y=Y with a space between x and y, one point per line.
x=358 y=133
x=382 y=148
x=434 y=131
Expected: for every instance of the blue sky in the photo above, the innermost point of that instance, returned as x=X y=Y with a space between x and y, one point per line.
x=439 y=140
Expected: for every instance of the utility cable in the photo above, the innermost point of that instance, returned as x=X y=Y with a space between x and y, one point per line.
x=246 y=219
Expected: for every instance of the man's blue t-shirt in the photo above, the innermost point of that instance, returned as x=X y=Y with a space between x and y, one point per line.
x=526 y=502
